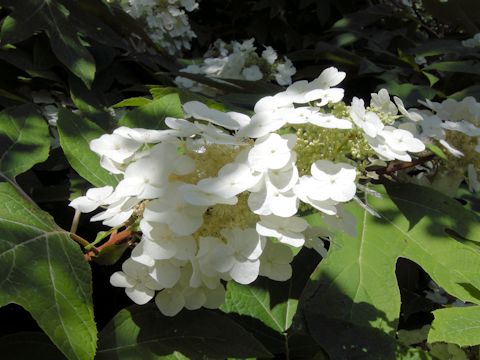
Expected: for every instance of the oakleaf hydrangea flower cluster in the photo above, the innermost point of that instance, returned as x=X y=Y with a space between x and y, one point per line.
x=455 y=126
x=218 y=195
x=238 y=60
x=166 y=21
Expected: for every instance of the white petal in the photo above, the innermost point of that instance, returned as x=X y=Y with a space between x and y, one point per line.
x=245 y=272
x=170 y=302
x=194 y=298
x=84 y=204
x=201 y=111
x=193 y=195
x=120 y=279
x=140 y=294
x=451 y=149
x=165 y=273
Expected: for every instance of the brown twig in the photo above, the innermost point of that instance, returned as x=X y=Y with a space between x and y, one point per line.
x=115 y=238
x=394 y=166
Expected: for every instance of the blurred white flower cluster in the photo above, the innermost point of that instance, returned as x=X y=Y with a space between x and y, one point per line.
x=216 y=196
x=455 y=125
x=472 y=42
x=238 y=60
x=166 y=21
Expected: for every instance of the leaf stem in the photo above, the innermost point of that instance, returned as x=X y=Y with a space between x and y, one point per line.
x=76 y=219
x=79 y=239
x=17 y=187
x=394 y=166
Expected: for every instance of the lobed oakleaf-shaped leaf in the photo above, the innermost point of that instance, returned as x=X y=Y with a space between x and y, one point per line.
x=57 y=19
x=153 y=114
x=352 y=305
x=43 y=270
x=458 y=325
x=75 y=136
x=142 y=332
x=274 y=303
x=24 y=140
x=439 y=234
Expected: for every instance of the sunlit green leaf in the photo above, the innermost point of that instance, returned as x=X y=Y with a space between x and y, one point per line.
x=255 y=301
x=354 y=299
x=152 y=115
x=437 y=151
x=459 y=325
x=134 y=102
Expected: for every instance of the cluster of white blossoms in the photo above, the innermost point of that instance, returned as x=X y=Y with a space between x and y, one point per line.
x=216 y=196
x=166 y=21
x=472 y=42
x=238 y=60
x=455 y=125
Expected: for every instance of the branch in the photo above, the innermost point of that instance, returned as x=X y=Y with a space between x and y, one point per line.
x=395 y=165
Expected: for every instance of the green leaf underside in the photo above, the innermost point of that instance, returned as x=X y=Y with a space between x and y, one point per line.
x=28 y=346
x=43 y=270
x=75 y=136
x=24 y=140
x=55 y=17
x=352 y=304
x=152 y=115
x=142 y=332
x=460 y=325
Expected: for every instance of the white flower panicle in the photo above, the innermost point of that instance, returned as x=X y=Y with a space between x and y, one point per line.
x=239 y=61
x=216 y=196
x=166 y=21
x=455 y=126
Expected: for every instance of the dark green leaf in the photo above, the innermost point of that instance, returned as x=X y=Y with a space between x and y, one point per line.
x=24 y=140
x=466 y=66
x=409 y=93
x=75 y=136
x=89 y=102
x=54 y=17
x=142 y=332
x=28 y=346
x=43 y=270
